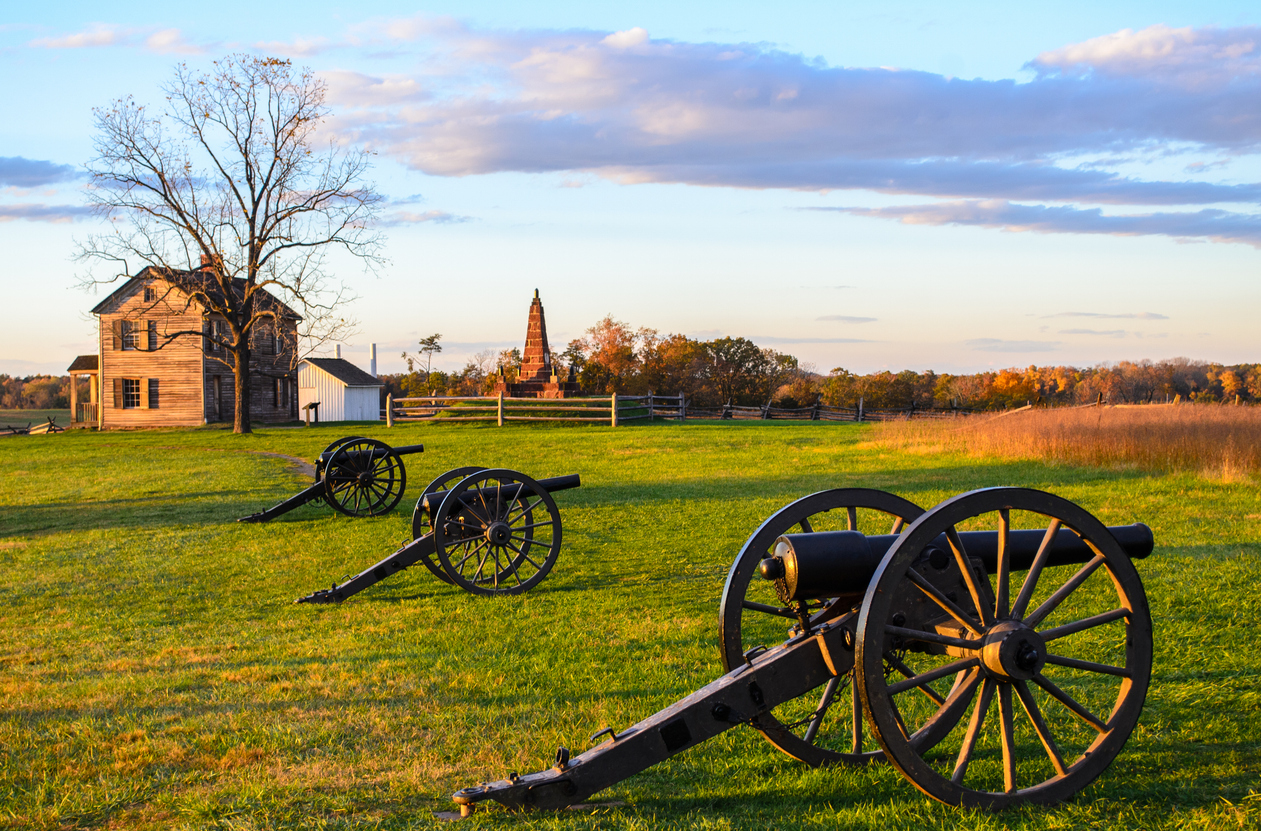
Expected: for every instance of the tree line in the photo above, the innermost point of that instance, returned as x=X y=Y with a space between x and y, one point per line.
x=37 y=392
x=615 y=357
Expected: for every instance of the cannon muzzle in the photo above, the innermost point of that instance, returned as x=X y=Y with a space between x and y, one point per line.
x=841 y=563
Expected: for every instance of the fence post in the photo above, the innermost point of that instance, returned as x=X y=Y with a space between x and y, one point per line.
x=814 y=411
x=613 y=411
x=501 y=408
x=389 y=410
x=682 y=407
x=650 y=406
x=860 y=408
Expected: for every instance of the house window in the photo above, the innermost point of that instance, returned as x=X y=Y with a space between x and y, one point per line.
x=153 y=393
x=218 y=334
x=149 y=294
x=130 y=330
x=153 y=335
x=131 y=393
x=275 y=392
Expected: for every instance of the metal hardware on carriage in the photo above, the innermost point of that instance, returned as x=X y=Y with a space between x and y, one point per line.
x=357 y=476
x=475 y=528
x=890 y=615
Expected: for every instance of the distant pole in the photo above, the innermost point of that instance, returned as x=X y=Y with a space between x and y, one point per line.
x=613 y=411
x=389 y=402
x=373 y=361
x=501 y=408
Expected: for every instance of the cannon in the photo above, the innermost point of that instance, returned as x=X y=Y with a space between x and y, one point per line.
x=995 y=650
x=488 y=531
x=355 y=475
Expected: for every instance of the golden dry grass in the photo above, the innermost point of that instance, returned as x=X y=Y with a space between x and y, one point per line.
x=1213 y=441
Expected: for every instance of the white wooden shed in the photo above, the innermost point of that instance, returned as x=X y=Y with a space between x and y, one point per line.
x=344 y=391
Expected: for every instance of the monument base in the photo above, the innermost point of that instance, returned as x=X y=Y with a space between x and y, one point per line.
x=539 y=389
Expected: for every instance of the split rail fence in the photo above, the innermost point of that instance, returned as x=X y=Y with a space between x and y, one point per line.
x=620 y=409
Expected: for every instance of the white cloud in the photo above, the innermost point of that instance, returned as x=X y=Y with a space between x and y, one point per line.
x=1207 y=224
x=161 y=41
x=412 y=218
x=846 y=319
x=1185 y=56
x=98 y=34
x=627 y=39
x=171 y=41
x=44 y=213
x=997 y=345
x=746 y=115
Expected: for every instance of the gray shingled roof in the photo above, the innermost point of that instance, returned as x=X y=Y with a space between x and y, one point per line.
x=346 y=372
x=83 y=363
x=204 y=281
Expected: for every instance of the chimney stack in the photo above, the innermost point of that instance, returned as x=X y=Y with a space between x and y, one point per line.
x=339 y=350
x=373 y=362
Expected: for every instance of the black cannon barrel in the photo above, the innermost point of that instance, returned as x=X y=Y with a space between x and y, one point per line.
x=508 y=492
x=837 y=563
x=377 y=452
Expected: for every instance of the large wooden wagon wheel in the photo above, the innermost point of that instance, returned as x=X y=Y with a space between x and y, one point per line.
x=827 y=728
x=497 y=532
x=427 y=505
x=364 y=477
x=1055 y=665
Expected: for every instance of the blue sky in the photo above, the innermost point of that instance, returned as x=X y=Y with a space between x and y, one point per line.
x=894 y=185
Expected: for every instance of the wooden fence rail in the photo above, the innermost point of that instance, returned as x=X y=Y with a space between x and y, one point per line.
x=616 y=409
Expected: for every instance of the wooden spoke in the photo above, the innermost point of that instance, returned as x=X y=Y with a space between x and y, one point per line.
x=768 y=610
x=944 y=602
x=969 y=576
x=1089 y=666
x=932 y=637
x=851 y=518
x=825 y=701
x=1039 y=614
x=1007 y=730
x=909 y=673
x=974 y=730
x=932 y=675
x=1068 y=701
x=1039 y=563
x=856 y=717
x=1039 y=727
x=1084 y=624
x=806 y=527
x=1003 y=578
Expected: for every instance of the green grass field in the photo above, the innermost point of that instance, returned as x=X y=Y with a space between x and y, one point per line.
x=21 y=418
x=154 y=672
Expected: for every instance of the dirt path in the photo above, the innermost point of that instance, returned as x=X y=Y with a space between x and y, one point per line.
x=300 y=467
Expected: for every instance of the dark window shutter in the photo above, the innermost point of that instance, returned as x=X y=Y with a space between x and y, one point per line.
x=116 y=326
x=153 y=393
x=152 y=328
x=118 y=393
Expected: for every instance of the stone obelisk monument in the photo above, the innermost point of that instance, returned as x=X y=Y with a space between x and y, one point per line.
x=538 y=378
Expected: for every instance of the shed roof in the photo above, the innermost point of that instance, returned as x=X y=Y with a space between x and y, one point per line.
x=85 y=363
x=346 y=372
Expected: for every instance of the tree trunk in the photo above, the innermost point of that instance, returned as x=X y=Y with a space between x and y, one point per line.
x=241 y=376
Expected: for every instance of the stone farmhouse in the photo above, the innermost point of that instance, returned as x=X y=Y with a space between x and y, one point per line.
x=143 y=377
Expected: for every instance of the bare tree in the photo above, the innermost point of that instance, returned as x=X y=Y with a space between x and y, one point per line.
x=226 y=197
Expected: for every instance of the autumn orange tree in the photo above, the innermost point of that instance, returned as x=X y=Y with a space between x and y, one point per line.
x=229 y=196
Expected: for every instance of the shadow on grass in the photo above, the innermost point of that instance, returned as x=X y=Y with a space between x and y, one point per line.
x=161 y=510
